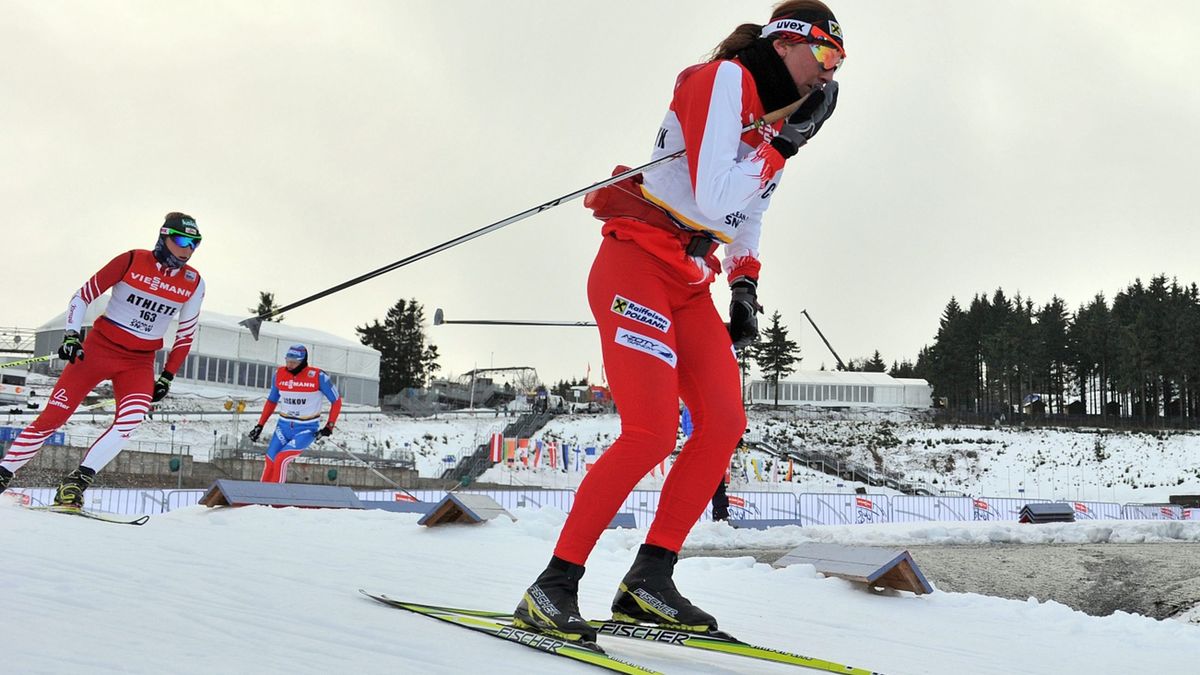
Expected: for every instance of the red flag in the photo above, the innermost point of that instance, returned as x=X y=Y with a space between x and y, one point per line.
x=553 y=450
x=537 y=454
x=497 y=443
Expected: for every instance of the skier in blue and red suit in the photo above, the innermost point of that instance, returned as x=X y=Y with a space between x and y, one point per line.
x=297 y=392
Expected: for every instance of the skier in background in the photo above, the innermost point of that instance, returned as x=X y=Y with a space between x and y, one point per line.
x=297 y=391
x=150 y=290
x=661 y=336
x=720 y=500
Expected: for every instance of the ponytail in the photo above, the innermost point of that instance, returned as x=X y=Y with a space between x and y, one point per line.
x=743 y=36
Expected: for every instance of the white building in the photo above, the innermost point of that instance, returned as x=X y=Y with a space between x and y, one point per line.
x=225 y=353
x=837 y=389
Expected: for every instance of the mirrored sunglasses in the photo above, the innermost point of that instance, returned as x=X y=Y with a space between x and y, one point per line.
x=181 y=239
x=830 y=58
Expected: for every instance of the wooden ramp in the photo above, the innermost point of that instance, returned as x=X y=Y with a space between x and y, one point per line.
x=252 y=493
x=1057 y=512
x=871 y=565
x=464 y=508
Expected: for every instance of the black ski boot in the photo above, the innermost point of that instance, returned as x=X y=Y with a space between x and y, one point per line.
x=648 y=595
x=551 y=605
x=6 y=477
x=70 y=493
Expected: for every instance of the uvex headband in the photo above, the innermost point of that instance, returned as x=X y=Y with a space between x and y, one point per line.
x=796 y=29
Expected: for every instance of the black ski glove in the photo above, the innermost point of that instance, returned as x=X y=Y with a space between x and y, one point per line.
x=743 y=312
x=161 y=386
x=255 y=433
x=326 y=430
x=71 y=348
x=807 y=121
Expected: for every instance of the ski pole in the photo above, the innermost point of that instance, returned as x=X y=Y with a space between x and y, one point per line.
x=439 y=318
x=254 y=323
x=389 y=481
x=22 y=362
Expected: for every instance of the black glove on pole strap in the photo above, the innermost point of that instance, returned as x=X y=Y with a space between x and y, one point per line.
x=743 y=312
x=161 y=386
x=806 y=121
x=255 y=433
x=71 y=348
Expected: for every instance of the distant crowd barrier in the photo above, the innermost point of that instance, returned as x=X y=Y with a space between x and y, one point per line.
x=798 y=509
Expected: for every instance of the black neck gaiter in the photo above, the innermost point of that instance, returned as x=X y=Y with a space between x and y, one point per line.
x=776 y=88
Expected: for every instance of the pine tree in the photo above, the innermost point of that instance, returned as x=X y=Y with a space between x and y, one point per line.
x=1053 y=337
x=775 y=354
x=405 y=361
x=952 y=363
x=903 y=369
x=266 y=305
x=875 y=364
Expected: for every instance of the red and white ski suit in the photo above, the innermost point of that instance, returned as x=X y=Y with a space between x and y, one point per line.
x=146 y=298
x=661 y=336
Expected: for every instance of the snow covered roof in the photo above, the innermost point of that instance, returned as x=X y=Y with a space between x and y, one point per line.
x=843 y=377
x=226 y=321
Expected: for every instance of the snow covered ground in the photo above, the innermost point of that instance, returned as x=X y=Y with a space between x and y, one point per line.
x=259 y=590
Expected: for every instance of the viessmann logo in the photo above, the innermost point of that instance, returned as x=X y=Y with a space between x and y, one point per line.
x=156 y=283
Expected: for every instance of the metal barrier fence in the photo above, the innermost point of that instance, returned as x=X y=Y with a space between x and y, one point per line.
x=842 y=508
x=119 y=500
x=1156 y=512
x=180 y=498
x=910 y=509
x=160 y=447
x=998 y=508
x=805 y=508
x=1097 y=511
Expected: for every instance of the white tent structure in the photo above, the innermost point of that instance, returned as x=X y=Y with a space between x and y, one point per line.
x=837 y=389
x=225 y=354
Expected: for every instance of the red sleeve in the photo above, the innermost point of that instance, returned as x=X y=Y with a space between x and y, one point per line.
x=189 y=320
x=746 y=266
x=268 y=408
x=107 y=277
x=335 y=409
x=100 y=282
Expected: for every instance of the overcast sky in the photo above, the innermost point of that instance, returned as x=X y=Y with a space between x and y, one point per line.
x=1042 y=146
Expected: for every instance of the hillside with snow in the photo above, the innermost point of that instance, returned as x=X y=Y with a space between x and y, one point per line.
x=1052 y=464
